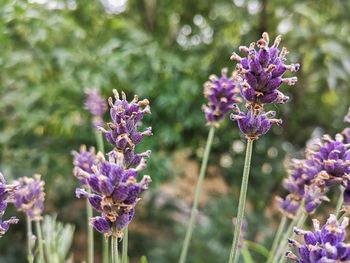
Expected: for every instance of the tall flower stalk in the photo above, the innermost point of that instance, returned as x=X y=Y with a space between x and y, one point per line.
x=259 y=76
x=114 y=184
x=221 y=94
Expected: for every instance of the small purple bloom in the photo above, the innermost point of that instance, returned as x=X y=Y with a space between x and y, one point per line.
x=96 y=105
x=262 y=70
x=83 y=162
x=324 y=244
x=6 y=194
x=254 y=123
x=29 y=196
x=289 y=205
x=243 y=232
x=222 y=95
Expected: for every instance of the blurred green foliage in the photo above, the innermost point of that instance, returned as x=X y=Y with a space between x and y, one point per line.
x=51 y=51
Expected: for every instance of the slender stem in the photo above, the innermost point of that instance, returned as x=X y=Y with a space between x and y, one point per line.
x=40 y=242
x=125 y=246
x=105 y=245
x=286 y=235
x=99 y=141
x=299 y=224
x=105 y=250
x=340 y=201
x=194 y=210
x=241 y=204
x=277 y=238
x=30 y=256
x=89 y=215
x=114 y=250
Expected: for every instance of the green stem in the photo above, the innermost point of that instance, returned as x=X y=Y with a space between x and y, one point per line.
x=89 y=215
x=105 y=248
x=286 y=235
x=194 y=210
x=125 y=246
x=99 y=142
x=105 y=245
x=340 y=201
x=40 y=242
x=292 y=235
x=114 y=250
x=241 y=204
x=30 y=256
x=277 y=238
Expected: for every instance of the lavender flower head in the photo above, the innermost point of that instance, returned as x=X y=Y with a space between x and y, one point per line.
x=83 y=162
x=333 y=156
x=96 y=105
x=114 y=184
x=29 y=196
x=222 y=95
x=254 y=124
x=301 y=186
x=115 y=194
x=261 y=72
x=123 y=132
x=6 y=192
x=323 y=245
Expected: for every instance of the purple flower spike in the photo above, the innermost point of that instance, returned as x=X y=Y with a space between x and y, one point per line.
x=323 y=245
x=6 y=194
x=116 y=193
x=96 y=105
x=29 y=196
x=123 y=133
x=222 y=95
x=254 y=123
x=262 y=70
x=114 y=183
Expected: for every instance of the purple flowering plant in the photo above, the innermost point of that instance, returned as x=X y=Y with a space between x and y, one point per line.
x=112 y=183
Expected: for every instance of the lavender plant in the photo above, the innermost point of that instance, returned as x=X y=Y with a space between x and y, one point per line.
x=29 y=198
x=222 y=96
x=114 y=184
x=6 y=193
x=260 y=75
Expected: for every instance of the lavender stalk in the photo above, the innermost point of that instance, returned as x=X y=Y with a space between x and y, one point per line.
x=283 y=243
x=30 y=255
x=242 y=199
x=194 y=210
x=340 y=201
x=277 y=238
x=125 y=246
x=40 y=241
x=89 y=214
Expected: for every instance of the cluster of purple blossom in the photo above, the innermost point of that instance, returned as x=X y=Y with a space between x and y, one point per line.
x=327 y=163
x=257 y=78
x=111 y=185
x=325 y=244
x=27 y=195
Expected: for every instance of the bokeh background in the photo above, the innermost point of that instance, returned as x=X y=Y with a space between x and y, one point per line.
x=163 y=50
